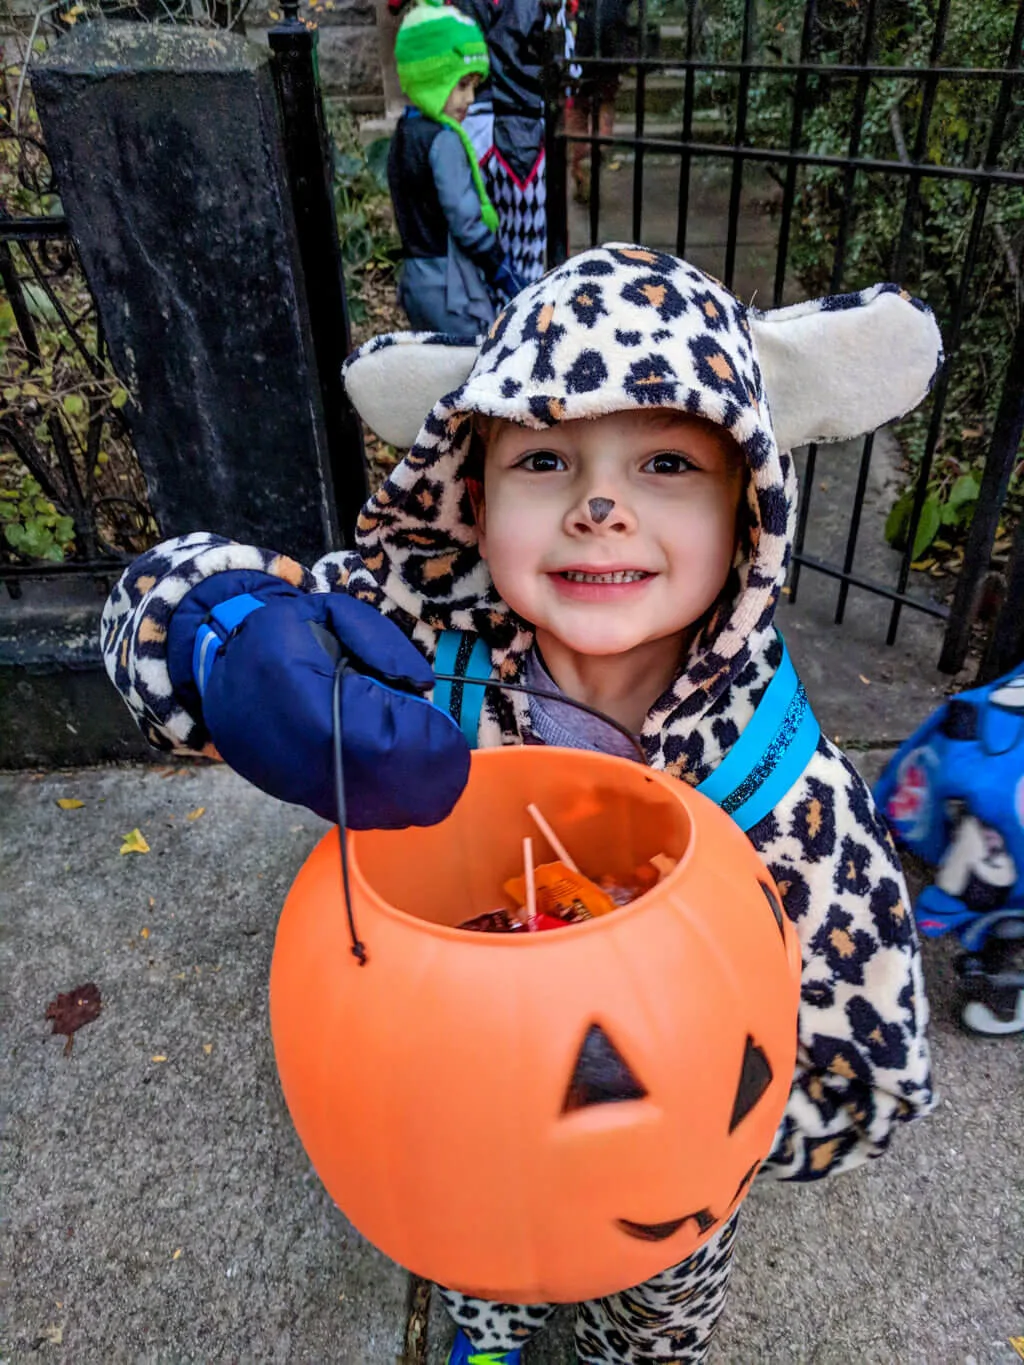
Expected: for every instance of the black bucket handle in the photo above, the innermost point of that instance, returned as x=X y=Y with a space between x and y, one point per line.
x=358 y=947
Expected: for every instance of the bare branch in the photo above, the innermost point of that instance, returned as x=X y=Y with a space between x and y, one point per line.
x=896 y=128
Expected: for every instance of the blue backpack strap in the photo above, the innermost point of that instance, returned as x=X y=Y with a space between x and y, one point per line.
x=770 y=754
x=466 y=656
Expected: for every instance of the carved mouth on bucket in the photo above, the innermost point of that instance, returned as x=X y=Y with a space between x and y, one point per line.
x=704 y=1218
x=659 y=1232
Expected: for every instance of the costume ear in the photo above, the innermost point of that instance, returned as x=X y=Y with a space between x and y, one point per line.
x=838 y=367
x=395 y=380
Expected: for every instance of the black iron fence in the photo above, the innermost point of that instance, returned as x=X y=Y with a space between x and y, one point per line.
x=74 y=498
x=827 y=100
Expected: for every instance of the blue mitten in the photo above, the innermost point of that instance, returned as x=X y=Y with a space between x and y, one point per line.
x=263 y=662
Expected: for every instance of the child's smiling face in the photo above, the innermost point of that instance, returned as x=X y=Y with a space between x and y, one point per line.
x=613 y=532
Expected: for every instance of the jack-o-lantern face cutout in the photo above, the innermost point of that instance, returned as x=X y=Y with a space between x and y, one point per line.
x=602 y=1076
x=539 y=1117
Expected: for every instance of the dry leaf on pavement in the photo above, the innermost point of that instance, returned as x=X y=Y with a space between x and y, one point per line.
x=69 y=803
x=73 y=1009
x=134 y=843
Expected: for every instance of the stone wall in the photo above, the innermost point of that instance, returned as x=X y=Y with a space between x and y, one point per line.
x=356 y=62
x=349 y=47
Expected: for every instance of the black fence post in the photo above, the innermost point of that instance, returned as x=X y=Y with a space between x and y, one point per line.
x=308 y=157
x=555 y=151
x=1006 y=643
x=995 y=479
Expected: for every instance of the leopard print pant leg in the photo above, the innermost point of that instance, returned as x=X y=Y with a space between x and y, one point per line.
x=669 y=1318
x=496 y=1326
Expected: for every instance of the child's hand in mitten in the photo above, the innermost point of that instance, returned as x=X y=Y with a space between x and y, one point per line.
x=265 y=673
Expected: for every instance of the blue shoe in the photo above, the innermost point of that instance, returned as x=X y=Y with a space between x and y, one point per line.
x=463 y=1352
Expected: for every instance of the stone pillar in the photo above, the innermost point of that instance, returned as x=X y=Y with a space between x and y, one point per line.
x=387 y=31
x=168 y=154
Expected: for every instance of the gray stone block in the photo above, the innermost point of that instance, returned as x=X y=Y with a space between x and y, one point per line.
x=167 y=148
x=350 y=61
x=349 y=65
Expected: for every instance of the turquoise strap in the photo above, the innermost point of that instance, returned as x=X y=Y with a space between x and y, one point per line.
x=770 y=754
x=756 y=773
x=467 y=656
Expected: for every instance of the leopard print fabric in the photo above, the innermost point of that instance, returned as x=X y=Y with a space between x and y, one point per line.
x=617 y=328
x=671 y=1317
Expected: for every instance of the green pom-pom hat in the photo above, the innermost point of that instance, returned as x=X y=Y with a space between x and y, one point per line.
x=436 y=46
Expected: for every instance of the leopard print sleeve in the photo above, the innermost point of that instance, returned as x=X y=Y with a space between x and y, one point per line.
x=134 y=624
x=863 y=1063
x=133 y=627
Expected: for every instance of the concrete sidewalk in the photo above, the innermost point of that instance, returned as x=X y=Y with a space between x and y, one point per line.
x=163 y=1210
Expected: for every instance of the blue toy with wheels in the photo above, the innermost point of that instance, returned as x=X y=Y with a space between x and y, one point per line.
x=954 y=795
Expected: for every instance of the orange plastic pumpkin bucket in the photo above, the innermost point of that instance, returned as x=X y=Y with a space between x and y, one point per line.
x=540 y=1117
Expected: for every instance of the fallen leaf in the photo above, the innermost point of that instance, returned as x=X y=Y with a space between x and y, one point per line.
x=1018 y=1345
x=865 y=681
x=207 y=1048
x=69 y=803
x=143 y=933
x=176 y=1255
x=152 y=902
x=195 y=814
x=134 y=843
x=160 y=1057
x=73 y=1010
x=53 y=1335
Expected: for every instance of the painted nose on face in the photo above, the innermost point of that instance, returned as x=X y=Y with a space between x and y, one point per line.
x=600 y=516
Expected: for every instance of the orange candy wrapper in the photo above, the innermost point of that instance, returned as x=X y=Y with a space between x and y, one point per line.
x=562 y=894
x=556 y=894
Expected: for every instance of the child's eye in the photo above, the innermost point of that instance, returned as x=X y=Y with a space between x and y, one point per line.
x=668 y=462
x=542 y=462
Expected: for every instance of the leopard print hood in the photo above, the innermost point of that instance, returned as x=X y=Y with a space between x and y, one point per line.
x=616 y=328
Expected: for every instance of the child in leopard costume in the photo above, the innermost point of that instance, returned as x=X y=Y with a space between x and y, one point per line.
x=607 y=479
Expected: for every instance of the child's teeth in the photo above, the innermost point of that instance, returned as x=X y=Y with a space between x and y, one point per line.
x=624 y=576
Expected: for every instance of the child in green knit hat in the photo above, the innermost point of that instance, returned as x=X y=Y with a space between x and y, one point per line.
x=455 y=270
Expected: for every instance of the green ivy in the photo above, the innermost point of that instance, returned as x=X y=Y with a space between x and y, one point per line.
x=362 y=203
x=31 y=523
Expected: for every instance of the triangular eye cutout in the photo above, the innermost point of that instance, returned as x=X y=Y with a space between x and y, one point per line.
x=755 y=1078
x=601 y=1075
x=773 y=901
